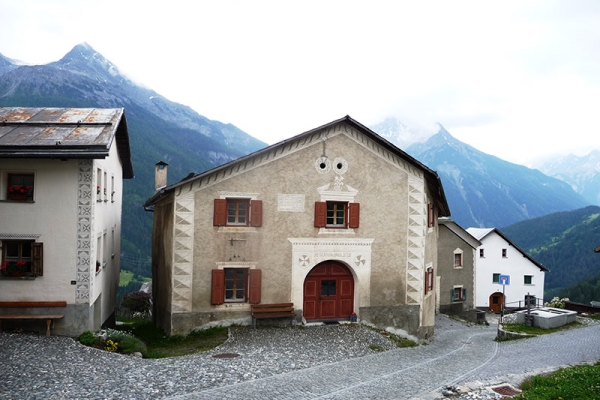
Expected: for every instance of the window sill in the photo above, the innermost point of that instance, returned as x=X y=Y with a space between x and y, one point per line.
x=17 y=278
x=17 y=201
x=233 y=229
x=336 y=231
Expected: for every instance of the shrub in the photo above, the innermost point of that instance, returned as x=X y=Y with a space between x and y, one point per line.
x=557 y=302
x=137 y=302
x=88 y=338
x=127 y=342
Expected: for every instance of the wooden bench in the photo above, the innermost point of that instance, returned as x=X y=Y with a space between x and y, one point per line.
x=280 y=310
x=32 y=304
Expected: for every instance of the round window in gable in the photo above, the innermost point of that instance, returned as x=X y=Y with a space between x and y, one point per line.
x=340 y=166
x=323 y=165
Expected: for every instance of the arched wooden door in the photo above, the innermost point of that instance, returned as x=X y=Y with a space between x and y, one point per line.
x=496 y=300
x=328 y=292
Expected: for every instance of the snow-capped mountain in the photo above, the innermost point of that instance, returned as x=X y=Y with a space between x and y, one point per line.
x=582 y=173
x=483 y=190
x=399 y=133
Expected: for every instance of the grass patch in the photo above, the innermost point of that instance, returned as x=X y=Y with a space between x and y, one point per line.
x=534 y=330
x=376 y=348
x=578 y=382
x=399 y=340
x=127 y=276
x=161 y=346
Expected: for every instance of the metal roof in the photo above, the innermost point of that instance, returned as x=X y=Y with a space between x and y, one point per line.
x=64 y=133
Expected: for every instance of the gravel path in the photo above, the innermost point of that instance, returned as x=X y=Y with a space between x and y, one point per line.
x=333 y=361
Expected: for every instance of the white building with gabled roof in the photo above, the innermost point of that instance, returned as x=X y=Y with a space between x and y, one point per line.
x=497 y=257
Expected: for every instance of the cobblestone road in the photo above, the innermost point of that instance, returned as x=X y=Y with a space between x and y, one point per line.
x=458 y=356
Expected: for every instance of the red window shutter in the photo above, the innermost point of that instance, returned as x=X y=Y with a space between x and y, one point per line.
x=217 y=294
x=37 y=259
x=256 y=213
x=430 y=215
x=320 y=214
x=220 y=212
x=255 y=278
x=354 y=212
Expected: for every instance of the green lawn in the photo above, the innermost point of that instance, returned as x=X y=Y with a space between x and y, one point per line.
x=127 y=276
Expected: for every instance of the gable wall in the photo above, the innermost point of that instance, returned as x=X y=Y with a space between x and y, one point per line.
x=515 y=265
x=451 y=276
x=392 y=212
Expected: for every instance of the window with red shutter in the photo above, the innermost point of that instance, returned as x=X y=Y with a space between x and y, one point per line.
x=255 y=279
x=220 y=212
x=337 y=214
x=236 y=285
x=217 y=287
x=256 y=213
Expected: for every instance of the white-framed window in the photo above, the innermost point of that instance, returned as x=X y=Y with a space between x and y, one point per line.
x=458 y=258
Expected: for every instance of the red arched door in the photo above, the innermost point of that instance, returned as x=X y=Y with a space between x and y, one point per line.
x=496 y=300
x=328 y=292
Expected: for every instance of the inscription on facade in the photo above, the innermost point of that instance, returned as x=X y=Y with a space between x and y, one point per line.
x=290 y=202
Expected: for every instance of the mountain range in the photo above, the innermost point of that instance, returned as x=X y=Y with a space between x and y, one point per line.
x=482 y=190
x=159 y=130
x=582 y=173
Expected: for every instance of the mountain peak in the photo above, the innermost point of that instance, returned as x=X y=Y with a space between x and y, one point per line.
x=84 y=58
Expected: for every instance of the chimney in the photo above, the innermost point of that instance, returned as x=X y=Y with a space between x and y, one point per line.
x=160 y=175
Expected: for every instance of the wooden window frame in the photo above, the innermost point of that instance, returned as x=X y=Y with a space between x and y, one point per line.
x=458 y=260
x=458 y=294
x=20 y=186
x=252 y=286
x=28 y=266
x=253 y=214
x=351 y=212
x=430 y=215
x=428 y=280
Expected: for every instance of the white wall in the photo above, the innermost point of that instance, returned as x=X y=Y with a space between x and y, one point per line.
x=53 y=218
x=515 y=264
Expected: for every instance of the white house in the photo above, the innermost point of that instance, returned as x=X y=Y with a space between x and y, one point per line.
x=61 y=187
x=498 y=257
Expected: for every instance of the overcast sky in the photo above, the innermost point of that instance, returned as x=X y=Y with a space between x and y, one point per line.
x=516 y=79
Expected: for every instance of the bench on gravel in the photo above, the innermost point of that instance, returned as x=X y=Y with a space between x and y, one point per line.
x=32 y=315
x=279 y=310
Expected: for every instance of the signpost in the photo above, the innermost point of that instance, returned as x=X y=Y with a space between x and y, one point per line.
x=504 y=280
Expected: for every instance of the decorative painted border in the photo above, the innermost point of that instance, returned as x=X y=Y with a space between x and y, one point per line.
x=85 y=218
x=415 y=241
x=183 y=262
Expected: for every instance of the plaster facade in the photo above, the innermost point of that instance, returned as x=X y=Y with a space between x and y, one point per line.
x=456 y=270
x=75 y=213
x=386 y=254
x=497 y=255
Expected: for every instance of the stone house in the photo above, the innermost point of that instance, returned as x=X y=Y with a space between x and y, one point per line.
x=456 y=273
x=336 y=220
x=61 y=188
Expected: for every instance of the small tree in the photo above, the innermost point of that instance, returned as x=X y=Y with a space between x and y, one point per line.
x=138 y=302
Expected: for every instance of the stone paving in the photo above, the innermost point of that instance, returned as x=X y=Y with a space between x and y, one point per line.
x=467 y=357
x=329 y=362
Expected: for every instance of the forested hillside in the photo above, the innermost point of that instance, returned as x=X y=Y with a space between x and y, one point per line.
x=563 y=242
